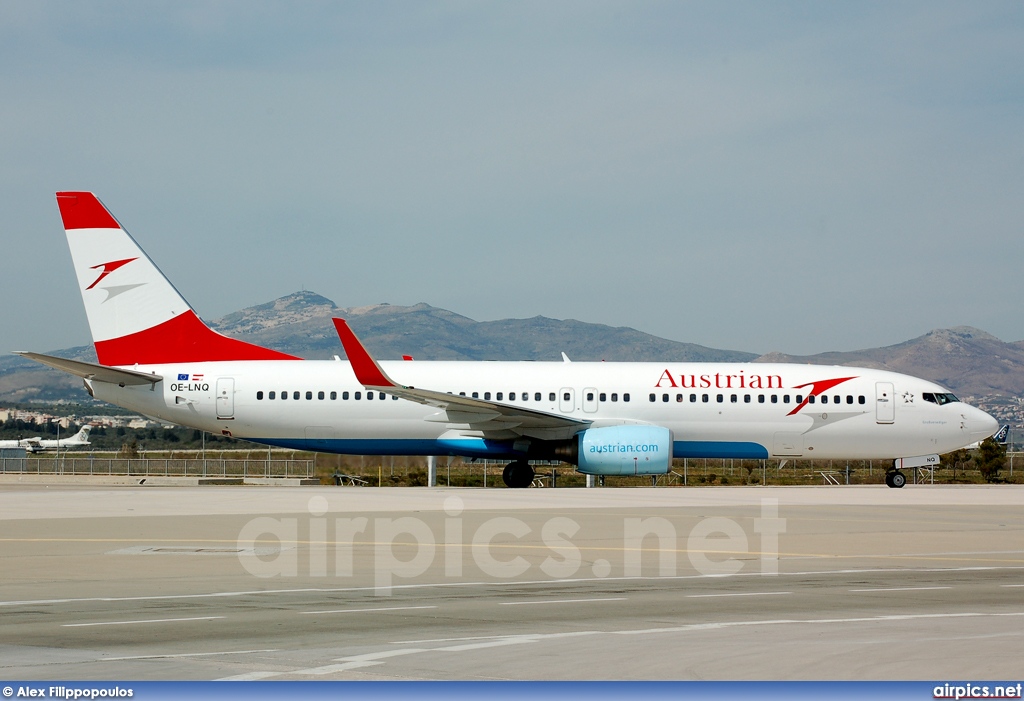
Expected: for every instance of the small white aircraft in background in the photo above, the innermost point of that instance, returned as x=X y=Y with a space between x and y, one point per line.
x=158 y=358
x=38 y=445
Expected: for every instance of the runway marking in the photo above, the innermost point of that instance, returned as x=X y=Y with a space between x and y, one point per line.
x=540 y=582
x=393 y=608
x=251 y=676
x=345 y=664
x=1011 y=585
x=529 y=546
x=455 y=640
x=152 y=620
x=752 y=593
x=900 y=589
x=558 y=601
x=184 y=654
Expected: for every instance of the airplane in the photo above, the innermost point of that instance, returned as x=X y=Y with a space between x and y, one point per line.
x=157 y=357
x=38 y=445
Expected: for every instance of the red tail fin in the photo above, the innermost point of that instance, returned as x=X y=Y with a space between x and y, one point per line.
x=135 y=314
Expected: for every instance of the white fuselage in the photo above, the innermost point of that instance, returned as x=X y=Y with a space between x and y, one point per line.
x=719 y=410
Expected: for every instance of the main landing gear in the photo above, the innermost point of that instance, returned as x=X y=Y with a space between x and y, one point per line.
x=895 y=479
x=518 y=475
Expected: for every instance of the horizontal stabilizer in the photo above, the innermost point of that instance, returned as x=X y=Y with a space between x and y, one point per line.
x=93 y=371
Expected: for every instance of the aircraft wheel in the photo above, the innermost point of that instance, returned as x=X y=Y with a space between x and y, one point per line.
x=898 y=480
x=517 y=475
x=888 y=479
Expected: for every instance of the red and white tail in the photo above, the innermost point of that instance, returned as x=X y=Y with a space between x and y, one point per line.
x=135 y=314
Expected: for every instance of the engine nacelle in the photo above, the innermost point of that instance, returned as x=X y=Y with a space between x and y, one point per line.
x=625 y=450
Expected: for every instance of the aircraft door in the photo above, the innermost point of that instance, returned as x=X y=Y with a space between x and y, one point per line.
x=225 y=397
x=885 y=403
x=589 y=400
x=567 y=400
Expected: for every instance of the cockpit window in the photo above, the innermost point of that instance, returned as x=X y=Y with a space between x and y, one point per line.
x=939 y=397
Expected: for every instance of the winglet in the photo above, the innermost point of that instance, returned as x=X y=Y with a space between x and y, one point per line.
x=367 y=371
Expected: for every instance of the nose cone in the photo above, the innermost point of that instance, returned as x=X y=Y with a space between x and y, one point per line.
x=980 y=424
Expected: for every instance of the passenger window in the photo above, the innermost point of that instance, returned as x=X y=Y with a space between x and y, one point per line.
x=320 y=394
x=746 y=399
x=536 y=396
x=693 y=398
x=476 y=395
x=705 y=398
x=615 y=397
x=487 y=395
x=602 y=397
x=259 y=395
x=625 y=397
x=775 y=399
x=369 y=396
x=499 y=396
x=551 y=396
x=652 y=397
x=461 y=394
x=284 y=395
x=824 y=399
x=272 y=395
x=357 y=395
x=295 y=395
x=344 y=396
x=760 y=399
x=381 y=396
x=664 y=397
x=511 y=396
x=309 y=394
x=565 y=396
x=785 y=399
x=720 y=398
x=679 y=398
x=394 y=398
x=849 y=399
x=590 y=396
x=334 y=396
x=861 y=399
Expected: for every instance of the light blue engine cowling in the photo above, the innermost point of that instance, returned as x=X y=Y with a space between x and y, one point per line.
x=625 y=450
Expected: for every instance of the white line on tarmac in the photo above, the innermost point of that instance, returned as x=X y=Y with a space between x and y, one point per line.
x=752 y=593
x=901 y=589
x=377 y=658
x=152 y=620
x=1011 y=585
x=558 y=601
x=393 y=608
x=183 y=654
x=543 y=582
x=251 y=676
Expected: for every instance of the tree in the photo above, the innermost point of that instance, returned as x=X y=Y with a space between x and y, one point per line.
x=958 y=458
x=990 y=459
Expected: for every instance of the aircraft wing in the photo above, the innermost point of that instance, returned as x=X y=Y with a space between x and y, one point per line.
x=491 y=419
x=93 y=371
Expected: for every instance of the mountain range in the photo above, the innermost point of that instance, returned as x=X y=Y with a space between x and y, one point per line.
x=968 y=361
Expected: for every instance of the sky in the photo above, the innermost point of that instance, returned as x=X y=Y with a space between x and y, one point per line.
x=760 y=176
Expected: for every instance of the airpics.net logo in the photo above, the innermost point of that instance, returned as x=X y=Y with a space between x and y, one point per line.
x=392 y=551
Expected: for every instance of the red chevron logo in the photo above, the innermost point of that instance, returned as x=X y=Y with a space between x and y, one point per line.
x=109 y=268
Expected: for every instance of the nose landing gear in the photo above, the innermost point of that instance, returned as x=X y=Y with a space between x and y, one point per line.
x=895 y=479
x=518 y=475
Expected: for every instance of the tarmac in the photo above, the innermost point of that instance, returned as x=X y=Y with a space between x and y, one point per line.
x=266 y=582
